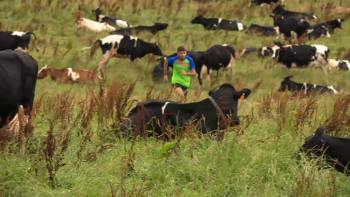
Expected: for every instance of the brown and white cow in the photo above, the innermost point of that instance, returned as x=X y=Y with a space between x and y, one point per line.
x=336 y=9
x=69 y=75
x=91 y=25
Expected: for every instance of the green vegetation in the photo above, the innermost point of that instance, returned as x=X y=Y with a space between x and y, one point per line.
x=75 y=152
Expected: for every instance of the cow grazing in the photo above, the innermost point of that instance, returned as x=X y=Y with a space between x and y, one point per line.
x=218 y=23
x=338 y=64
x=248 y=51
x=16 y=39
x=137 y=30
x=291 y=26
x=123 y=47
x=91 y=25
x=332 y=149
x=317 y=32
x=18 y=79
x=306 y=88
x=279 y=10
x=266 y=51
x=110 y=20
x=256 y=29
x=158 y=73
x=300 y=56
x=69 y=75
x=265 y=3
x=209 y=114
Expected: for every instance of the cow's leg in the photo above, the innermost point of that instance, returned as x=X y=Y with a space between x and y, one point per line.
x=104 y=61
x=208 y=78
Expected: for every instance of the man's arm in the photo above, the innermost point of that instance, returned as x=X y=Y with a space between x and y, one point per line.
x=165 y=67
x=192 y=67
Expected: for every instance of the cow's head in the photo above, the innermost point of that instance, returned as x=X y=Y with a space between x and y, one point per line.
x=315 y=143
x=276 y=19
x=197 y=20
x=98 y=11
x=278 y=9
x=44 y=72
x=286 y=84
x=227 y=98
x=265 y=51
x=156 y=49
x=161 y=26
x=337 y=23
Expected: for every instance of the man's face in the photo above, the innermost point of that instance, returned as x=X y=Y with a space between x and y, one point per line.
x=182 y=54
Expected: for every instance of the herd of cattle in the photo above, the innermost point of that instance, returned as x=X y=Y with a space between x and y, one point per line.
x=19 y=73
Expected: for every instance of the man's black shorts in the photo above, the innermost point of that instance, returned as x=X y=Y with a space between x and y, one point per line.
x=185 y=90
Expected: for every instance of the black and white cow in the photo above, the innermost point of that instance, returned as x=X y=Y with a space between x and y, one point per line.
x=299 y=56
x=333 y=149
x=16 y=39
x=265 y=3
x=247 y=51
x=279 y=10
x=210 y=114
x=110 y=20
x=218 y=23
x=121 y=46
x=267 y=51
x=158 y=73
x=333 y=24
x=291 y=26
x=256 y=29
x=338 y=64
x=137 y=30
x=18 y=79
x=307 y=88
x=318 y=31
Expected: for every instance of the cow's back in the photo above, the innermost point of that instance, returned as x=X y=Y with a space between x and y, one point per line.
x=8 y=41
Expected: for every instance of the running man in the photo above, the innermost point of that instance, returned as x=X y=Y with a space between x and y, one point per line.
x=183 y=69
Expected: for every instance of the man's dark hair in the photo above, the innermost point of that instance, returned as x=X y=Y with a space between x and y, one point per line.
x=181 y=48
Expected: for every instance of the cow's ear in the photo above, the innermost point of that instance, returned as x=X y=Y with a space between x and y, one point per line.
x=319 y=132
x=243 y=94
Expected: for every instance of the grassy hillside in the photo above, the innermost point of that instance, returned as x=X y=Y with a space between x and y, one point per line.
x=75 y=152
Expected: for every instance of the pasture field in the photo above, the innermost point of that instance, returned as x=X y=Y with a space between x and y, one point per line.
x=75 y=151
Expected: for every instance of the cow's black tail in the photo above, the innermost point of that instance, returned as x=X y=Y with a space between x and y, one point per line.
x=36 y=42
x=232 y=50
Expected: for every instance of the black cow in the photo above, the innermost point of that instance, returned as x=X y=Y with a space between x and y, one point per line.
x=300 y=56
x=218 y=23
x=262 y=30
x=159 y=113
x=334 y=24
x=307 y=88
x=16 y=39
x=248 y=51
x=333 y=149
x=279 y=10
x=110 y=20
x=263 y=3
x=18 y=77
x=123 y=47
x=317 y=32
x=137 y=30
x=291 y=26
x=158 y=73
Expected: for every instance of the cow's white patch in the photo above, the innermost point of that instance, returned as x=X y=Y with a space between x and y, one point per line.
x=315 y=86
x=18 y=33
x=305 y=91
x=240 y=54
x=100 y=17
x=74 y=76
x=112 y=38
x=204 y=70
x=277 y=29
x=220 y=19
x=224 y=45
x=328 y=35
x=240 y=26
x=262 y=50
x=321 y=49
x=332 y=63
x=313 y=16
x=309 y=31
x=94 y=26
x=333 y=89
x=274 y=49
x=264 y=5
x=42 y=69
x=164 y=106
x=122 y=23
x=338 y=20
